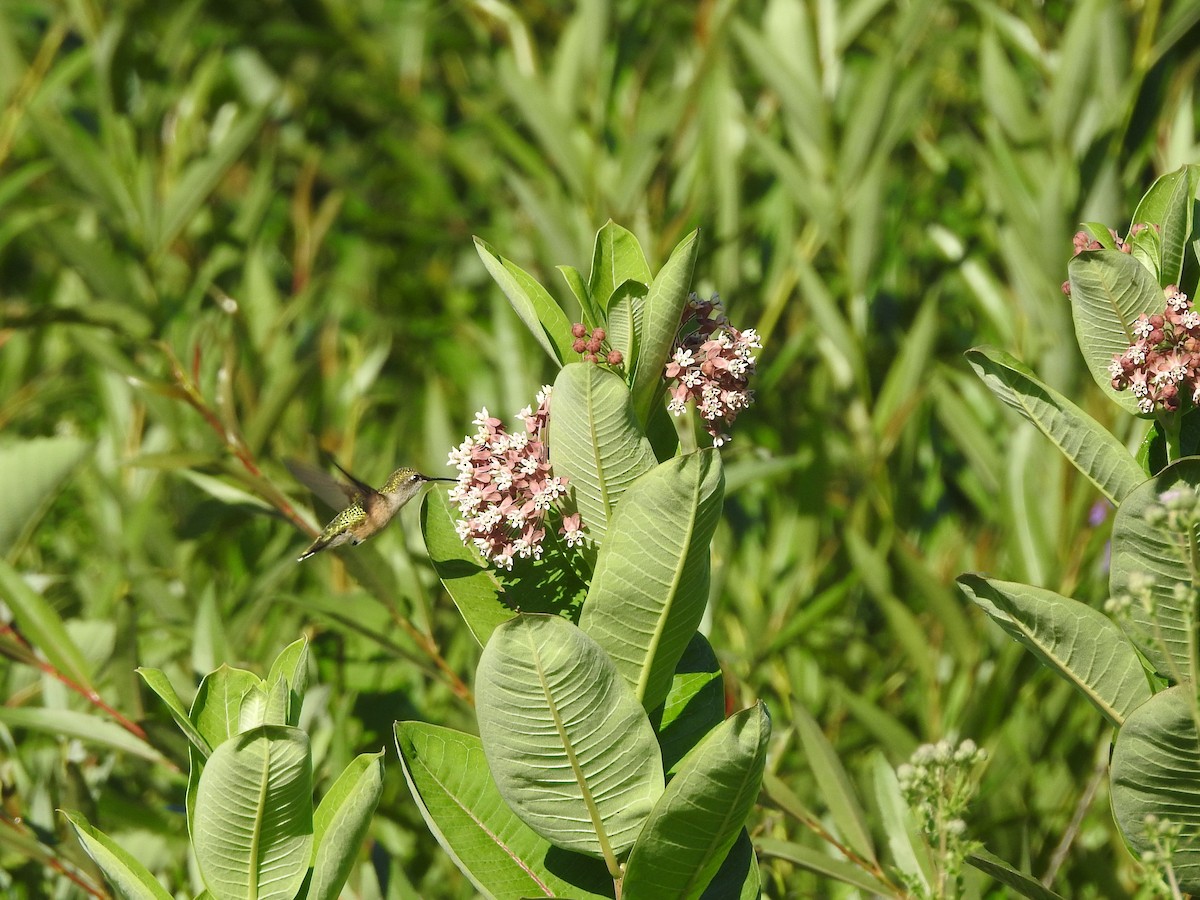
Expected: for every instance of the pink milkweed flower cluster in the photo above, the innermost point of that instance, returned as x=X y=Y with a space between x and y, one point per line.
x=1163 y=362
x=591 y=344
x=505 y=488
x=711 y=365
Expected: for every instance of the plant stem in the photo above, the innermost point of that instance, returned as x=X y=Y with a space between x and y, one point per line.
x=1172 y=426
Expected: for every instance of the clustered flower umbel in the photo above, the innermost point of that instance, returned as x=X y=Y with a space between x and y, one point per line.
x=712 y=365
x=505 y=488
x=1164 y=359
x=591 y=344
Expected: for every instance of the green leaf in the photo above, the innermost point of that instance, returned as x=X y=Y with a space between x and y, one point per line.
x=1079 y=643
x=31 y=472
x=124 y=872
x=1155 y=770
x=69 y=723
x=253 y=826
x=157 y=681
x=700 y=815
x=908 y=849
x=651 y=581
x=695 y=704
x=835 y=785
x=1004 y=873
x=340 y=824
x=593 y=315
x=625 y=312
x=537 y=309
x=616 y=258
x=216 y=708
x=43 y=627
x=1176 y=223
x=503 y=857
x=821 y=863
x=1109 y=290
x=1139 y=549
x=291 y=667
x=1079 y=437
x=738 y=878
x=663 y=312
x=201 y=177
x=596 y=442
x=569 y=745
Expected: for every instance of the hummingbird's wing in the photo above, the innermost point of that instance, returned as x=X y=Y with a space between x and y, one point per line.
x=361 y=489
x=334 y=493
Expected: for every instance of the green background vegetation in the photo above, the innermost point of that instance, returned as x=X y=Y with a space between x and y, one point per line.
x=233 y=233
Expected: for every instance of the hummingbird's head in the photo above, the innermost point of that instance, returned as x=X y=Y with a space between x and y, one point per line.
x=406 y=482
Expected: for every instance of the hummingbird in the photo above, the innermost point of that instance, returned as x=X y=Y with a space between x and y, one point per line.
x=368 y=510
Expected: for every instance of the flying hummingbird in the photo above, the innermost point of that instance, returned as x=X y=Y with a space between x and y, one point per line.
x=369 y=510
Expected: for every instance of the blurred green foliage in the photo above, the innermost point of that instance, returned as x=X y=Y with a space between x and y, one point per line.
x=231 y=233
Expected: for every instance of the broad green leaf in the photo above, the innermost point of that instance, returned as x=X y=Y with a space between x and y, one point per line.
x=124 y=872
x=1141 y=549
x=700 y=815
x=253 y=826
x=662 y=314
x=1079 y=643
x=157 y=681
x=264 y=704
x=537 y=309
x=42 y=627
x=291 y=665
x=1176 y=223
x=821 y=863
x=1088 y=445
x=834 y=785
x=503 y=857
x=695 y=704
x=738 y=877
x=1003 y=872
x=87 y=727
x=1155 y=770
x=1099 y=232
x=596 y=441
x=651 y=582
x=218 y=702
x=31 y=472
x=1146 y=248
x=1109 y=290
x=568 y=743
x=340 y=824
x=616 y=258
x=482 y=593
x=625 y=311
x=593 y=315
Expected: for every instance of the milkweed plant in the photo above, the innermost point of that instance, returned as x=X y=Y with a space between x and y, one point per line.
x=575 y=545
x=1137 y=661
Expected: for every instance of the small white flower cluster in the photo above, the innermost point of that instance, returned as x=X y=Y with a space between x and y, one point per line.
x=711 y=366
x=505 y=488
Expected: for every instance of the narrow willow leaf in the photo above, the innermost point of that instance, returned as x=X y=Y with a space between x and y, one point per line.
x=1109 y=290
x=596 y=442
x=1079 y=643
x=124 y=872
x=1089 y=446
x=217 y=705
x=1003 y=872
x=616 y=258
x=340 y=824
x=503 y=857
x=909 y=851
x=1141 y=549
x=651 y=582
x=43 y=627
x=568 y=743
x=665 y=301
x=695 y=704
x=69 y=723
x=157 y=681
x=538 y=310
x=821 y=863
x=31 y=472
x=834 y=785
x=700 y=815
x=253 y=825
x=1155 y=770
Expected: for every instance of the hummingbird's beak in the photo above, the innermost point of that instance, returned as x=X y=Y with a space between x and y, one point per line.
x=434 y=478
